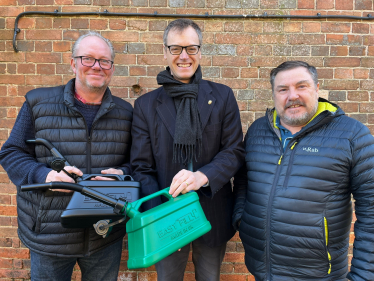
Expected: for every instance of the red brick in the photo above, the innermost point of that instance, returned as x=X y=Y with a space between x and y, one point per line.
x=43 y=46
x=362 y=28
x=233 y=277
x=344 y=5
x=6 y=263
x=325 y=4
x=269 y=4
x=26 y=68
x=61 y=23
x=64 y=2
x=126 y=36
x=249 y=72
x=8 y=3
x=367 y=84
x=342 y=73
x=228 y=38
x=5 y=199
x=229 y=61
x=260 y=105
x=358 y=96
x=10 y=11
x=309 y=39
x=43 y=57
x=244 y=50
x=138 y=71
x=12 y=273
x=44 y=80
x=152 y=37
x=99 y=24
x=62 y=46
x=234 y=257
x=151 y=60
x=12 y=56
x=305 y=4
x=46 y=69
x=233 y=83
x=43 y=23
x=292 y=27
x=233 y=27
x=13 y=79
x=334 y=27
x=230 y=72
x=361 y=73
x=43 y=35
x=137 y=25
x=123 y=81
x=79 y=23
x=367 y=62
x=117 y=25
x=325 y=73
x=266 y=61
x=339 y=51
x=343 y=39
x=341 y=84
x=364 y=4
x=342 y=62
x=154 y=48
x=349 y=107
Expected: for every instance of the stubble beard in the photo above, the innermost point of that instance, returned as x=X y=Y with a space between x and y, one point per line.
x=298 y=120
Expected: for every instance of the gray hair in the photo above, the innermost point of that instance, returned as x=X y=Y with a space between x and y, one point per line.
x=96 y=34
x=291 y=65
x=180 y=25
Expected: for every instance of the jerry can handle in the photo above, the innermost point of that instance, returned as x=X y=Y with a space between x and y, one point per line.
x=164 y=192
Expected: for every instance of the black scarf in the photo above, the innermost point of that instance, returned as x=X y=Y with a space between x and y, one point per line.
x=188 y=132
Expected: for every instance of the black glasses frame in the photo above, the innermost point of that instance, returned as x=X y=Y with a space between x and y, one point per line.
x=96 y=60
x=184 y=47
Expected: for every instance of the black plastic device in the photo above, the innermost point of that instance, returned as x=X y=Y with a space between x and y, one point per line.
x=83 y=211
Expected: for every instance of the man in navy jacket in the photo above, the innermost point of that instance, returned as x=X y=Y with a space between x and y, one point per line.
x=304 y=159
x=187 y=135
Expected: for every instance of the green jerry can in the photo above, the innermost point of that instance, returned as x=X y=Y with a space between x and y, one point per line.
x=162 y=230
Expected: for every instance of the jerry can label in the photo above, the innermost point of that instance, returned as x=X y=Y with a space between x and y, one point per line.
x=179 y=227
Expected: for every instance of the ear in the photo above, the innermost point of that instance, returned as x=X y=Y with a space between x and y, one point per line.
x=73 y=66
x=317 y=89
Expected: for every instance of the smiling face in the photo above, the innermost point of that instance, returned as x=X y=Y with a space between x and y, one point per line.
x=92 y=79
x=295 y=97
x=182 y=66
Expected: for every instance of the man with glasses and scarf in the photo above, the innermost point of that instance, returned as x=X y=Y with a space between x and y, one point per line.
x=187 y=135
x=91 y=128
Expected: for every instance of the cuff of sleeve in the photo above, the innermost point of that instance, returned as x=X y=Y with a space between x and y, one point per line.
x=40 y=174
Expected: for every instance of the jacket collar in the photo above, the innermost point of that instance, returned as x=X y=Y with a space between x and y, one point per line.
x=167 y=112
x=106 y=105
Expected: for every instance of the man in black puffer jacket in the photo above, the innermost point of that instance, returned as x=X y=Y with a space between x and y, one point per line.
x=91 y=128
x=304 y=159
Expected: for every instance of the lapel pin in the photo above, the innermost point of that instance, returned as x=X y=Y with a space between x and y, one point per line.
x=209 y=102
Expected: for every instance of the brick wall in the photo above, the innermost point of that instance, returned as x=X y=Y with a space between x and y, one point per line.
x=237 y=52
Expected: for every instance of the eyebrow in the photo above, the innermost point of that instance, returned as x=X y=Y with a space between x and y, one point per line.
x=298 y=83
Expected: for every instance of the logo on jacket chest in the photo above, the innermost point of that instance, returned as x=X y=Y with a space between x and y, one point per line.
x=310 y=149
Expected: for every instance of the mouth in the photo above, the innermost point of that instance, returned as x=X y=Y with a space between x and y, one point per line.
x=184 y=65
x=294 y=106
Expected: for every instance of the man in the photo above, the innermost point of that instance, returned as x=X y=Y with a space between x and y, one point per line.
x=91 y=128
x=304 y=159
x=187 y=135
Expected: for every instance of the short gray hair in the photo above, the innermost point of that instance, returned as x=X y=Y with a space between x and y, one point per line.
x=291 y=65
x=96 y=34
x=180 y=25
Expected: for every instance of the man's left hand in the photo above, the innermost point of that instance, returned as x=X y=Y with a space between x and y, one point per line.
x=108 y=171
x=186 y=181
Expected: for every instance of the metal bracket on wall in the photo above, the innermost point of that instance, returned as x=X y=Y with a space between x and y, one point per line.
x=265 y=15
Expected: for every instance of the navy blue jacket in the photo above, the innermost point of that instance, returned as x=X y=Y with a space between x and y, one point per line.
x=295 y=207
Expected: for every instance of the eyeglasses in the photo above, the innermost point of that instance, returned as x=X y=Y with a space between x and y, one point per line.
x=89 y=61
x=177 y=50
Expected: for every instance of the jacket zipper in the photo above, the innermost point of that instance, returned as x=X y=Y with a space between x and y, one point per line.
x=326 y=232
x=289 y=165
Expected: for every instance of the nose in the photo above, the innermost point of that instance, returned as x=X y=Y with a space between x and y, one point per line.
x=293 y=94
x=96 y=65
x=184 y=54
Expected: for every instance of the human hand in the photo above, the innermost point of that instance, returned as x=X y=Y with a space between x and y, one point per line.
x=108 y=171
x=185 y=181
x=62 y=176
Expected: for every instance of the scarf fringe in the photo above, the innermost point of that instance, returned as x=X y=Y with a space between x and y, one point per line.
x=186 y=153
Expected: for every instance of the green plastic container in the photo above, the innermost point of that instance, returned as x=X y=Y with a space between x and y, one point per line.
x=160 y=231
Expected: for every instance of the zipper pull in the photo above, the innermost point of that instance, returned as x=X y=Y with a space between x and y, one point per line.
x=280 y=159
x=292 y=147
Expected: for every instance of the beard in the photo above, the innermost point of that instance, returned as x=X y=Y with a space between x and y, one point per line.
x=299 y=120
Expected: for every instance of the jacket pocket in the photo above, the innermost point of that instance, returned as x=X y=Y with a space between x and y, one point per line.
x=326 y=237
x=36 y=227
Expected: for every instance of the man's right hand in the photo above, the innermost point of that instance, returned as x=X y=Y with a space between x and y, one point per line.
x=61 y=176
